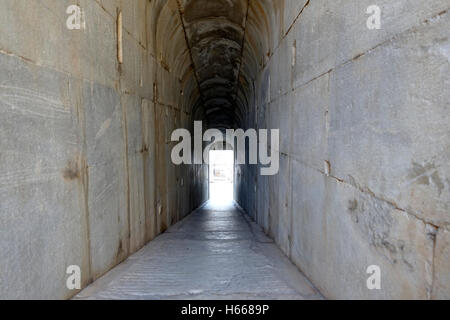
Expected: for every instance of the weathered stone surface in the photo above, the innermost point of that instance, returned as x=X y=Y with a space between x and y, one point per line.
x=135 y=166
x=441 y=280
x=390 y=135
x=232 y=259
x=216 y=46
x=149 y=159
x=42 y=189
x=78 y=173
x=52 y=45
x=108 y=188
x=336 y=32
x=341 y=231
x=363 y=116
x=310 y=118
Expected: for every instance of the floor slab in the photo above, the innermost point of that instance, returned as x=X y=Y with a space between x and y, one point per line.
x=216 y=252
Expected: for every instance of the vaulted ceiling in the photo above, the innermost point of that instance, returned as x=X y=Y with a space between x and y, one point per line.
x=228 y=42
x=215 y=33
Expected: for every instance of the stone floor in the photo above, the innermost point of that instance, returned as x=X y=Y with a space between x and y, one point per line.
x=216 y=252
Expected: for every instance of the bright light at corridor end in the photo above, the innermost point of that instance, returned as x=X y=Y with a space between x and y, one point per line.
x=221 y=163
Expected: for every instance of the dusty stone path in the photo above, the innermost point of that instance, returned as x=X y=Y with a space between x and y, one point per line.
x=216 y=252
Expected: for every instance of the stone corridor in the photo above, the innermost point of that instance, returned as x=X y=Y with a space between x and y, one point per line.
x=92 y=92
x=216 y=252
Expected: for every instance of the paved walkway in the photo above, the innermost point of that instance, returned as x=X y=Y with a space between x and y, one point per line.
x=214 y=253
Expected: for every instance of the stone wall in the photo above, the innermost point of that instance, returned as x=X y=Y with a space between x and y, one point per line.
x=85 y=171
x=365 y=143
